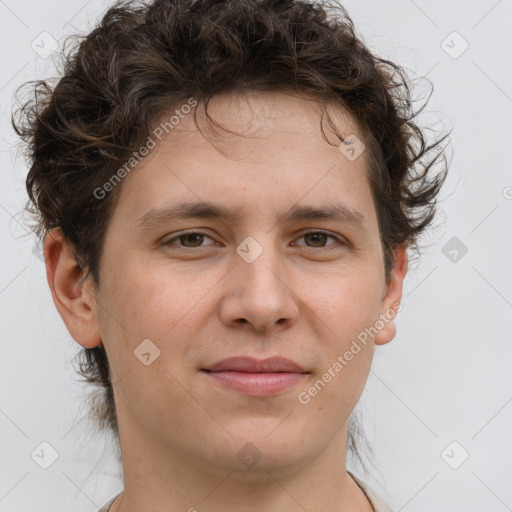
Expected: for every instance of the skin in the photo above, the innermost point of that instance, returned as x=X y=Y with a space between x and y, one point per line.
x=199 y=302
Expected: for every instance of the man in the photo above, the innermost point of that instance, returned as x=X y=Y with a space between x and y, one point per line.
x=228 y=191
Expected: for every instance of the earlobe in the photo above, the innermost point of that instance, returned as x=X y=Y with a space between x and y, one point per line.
x=73 y=300
x=392 y=297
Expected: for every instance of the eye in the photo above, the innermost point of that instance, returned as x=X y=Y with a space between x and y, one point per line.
x=319 y=238
x=315 y=239
x=191 y=239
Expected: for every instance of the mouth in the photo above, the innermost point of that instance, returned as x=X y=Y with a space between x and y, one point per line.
x=255 y=377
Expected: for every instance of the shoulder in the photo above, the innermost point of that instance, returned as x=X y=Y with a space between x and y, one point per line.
x=377 y=503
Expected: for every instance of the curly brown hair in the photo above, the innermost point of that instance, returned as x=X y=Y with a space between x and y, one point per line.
x=143 y=59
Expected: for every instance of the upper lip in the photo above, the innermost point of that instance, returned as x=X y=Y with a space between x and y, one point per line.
x=252 y=365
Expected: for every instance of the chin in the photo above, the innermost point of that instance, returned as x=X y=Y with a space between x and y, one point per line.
x=261 y=447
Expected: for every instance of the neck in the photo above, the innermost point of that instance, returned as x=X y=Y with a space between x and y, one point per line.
x=158 y=478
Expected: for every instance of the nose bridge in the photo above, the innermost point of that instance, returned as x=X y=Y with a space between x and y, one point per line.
x=259 y=263
x=259 y=294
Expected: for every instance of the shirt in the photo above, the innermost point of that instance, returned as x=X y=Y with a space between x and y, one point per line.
x=107 y=505
x=376 y=502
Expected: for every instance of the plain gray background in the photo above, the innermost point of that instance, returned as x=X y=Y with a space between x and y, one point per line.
x=441 y=391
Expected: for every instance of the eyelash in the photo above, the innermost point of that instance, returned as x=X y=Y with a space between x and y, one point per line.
x=304 y=233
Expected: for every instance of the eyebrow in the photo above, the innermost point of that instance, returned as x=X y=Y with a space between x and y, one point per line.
x=208 y=210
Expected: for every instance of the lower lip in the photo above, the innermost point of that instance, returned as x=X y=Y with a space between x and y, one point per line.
x=257 y=384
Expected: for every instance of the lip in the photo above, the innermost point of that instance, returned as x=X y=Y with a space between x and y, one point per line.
x=256 y=377
x=252 y=365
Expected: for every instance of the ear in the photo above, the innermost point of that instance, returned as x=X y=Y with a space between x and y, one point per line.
x=74 y=299
x=392 y=297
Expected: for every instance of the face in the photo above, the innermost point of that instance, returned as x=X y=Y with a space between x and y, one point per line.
x=179 y=295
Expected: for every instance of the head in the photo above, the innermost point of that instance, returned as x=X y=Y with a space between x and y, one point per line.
x=259 y=107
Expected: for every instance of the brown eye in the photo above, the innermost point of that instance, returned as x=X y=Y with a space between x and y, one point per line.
x=190 y=240
x=195 y=239
x=318 y=239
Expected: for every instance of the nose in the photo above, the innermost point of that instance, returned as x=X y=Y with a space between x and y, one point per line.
x=259 y=294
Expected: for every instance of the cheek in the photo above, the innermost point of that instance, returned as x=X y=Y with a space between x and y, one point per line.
x=345 y=310
x=151 y=301
x=148 y=334
x=346 y=303
x=159 y=304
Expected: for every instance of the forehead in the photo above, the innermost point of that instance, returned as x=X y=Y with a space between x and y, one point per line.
x=258 y=114
x=270 y=156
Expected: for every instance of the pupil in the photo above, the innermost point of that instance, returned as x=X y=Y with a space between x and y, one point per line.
x=194 y=235
x=316 y=235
